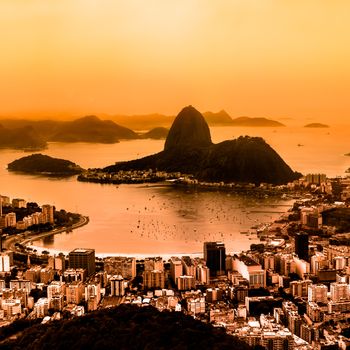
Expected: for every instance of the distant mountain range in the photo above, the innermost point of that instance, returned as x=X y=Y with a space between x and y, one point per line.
x=35 y=134
x=189 y=149
x=25 y=137
x=91 y=129
x=156 y=134
x=222 y=118
x=20 y=133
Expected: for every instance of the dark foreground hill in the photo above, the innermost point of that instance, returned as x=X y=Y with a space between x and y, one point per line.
x=188 y=149
x=126 y=327
x=42 y=164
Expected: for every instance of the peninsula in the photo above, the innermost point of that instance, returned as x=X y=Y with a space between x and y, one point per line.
x=188 y=149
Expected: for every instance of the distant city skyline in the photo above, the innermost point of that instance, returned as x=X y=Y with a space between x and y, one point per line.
x=256 y=58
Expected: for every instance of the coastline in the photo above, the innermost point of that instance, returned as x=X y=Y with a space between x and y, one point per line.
x=9 y=242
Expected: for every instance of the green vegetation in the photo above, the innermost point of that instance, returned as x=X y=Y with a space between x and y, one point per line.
x=64 y=218
x=126 y=327
x=338 y=217
x=42 y=164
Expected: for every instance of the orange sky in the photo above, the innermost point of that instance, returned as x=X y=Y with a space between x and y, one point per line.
x=274 y=58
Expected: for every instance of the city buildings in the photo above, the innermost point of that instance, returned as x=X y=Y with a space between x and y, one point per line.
x=250 y=270
x=294 y=295
x=117 y=286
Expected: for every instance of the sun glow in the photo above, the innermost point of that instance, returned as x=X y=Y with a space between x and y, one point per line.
x=248 y=57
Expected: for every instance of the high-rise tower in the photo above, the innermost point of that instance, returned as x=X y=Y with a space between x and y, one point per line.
x=215 y=255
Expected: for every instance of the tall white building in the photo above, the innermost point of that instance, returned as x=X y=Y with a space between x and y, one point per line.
x=10 y=220
x=48 y=213
x=175 y=268
x=317 y=293
x=55 y=288
x=202 y=274
x=93 y=290
x=4 y=262
x=155 y=263
x=119 y=265
x=185 y=282
x=11 y=307
x=19 y=203
x=339 y=291
x=250 y=270
x=117 y=286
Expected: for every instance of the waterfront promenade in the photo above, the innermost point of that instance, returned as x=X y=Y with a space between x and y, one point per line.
x=26 y=238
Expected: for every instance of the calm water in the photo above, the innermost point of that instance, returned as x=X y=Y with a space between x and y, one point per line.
x=146 y=220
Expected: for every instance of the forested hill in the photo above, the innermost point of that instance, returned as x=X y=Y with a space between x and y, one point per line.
x=43 y=164
x=126 y=327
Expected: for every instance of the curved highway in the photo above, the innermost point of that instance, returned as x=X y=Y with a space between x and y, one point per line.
x=9 y=242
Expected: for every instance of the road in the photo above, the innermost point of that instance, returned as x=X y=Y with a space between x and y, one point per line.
x=9 y=242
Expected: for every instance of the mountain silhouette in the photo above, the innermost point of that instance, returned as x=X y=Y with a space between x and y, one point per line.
x=255 y=122
x=21 y=138
x=189 y=129
x=218 y=118
x=92 y=129
x=188 y=149
x=156 y=133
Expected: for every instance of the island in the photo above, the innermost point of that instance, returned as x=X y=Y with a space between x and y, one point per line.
x=316 y=125
x=255 y=122
x=46 y=165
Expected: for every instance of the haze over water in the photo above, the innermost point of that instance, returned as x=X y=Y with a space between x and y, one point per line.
x=160 y=219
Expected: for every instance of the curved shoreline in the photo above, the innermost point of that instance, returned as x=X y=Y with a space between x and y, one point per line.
x=9 y=243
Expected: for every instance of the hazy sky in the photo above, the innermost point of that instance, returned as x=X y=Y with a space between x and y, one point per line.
x=276 y=58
